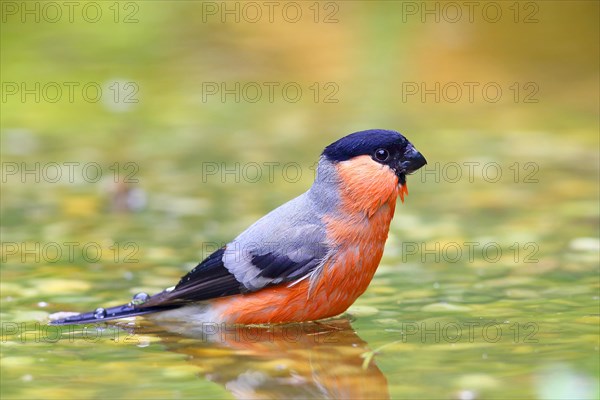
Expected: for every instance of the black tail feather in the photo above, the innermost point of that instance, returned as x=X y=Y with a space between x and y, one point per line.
x=101 y=314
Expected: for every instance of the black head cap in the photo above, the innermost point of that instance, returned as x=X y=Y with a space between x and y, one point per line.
x=383 y=146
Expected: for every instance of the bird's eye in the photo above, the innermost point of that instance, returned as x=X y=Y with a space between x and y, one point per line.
x=381 y=155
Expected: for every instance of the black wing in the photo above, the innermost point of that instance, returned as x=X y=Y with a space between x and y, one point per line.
x=207 y=280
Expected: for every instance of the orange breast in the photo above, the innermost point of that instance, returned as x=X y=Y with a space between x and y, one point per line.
x=368 y=200
x=368 y=193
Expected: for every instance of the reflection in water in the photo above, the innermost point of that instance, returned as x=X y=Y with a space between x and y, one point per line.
x=310 y=360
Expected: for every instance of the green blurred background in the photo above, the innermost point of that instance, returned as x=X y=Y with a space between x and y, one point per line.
x=158 y=125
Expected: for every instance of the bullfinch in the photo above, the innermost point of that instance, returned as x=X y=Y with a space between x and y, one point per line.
x=308 y=259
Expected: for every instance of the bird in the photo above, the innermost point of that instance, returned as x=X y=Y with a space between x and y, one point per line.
x=307 y=260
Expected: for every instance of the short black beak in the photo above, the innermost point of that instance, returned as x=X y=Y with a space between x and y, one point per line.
x=412 y=161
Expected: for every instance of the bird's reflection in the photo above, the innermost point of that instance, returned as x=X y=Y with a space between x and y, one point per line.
x=309 y=360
